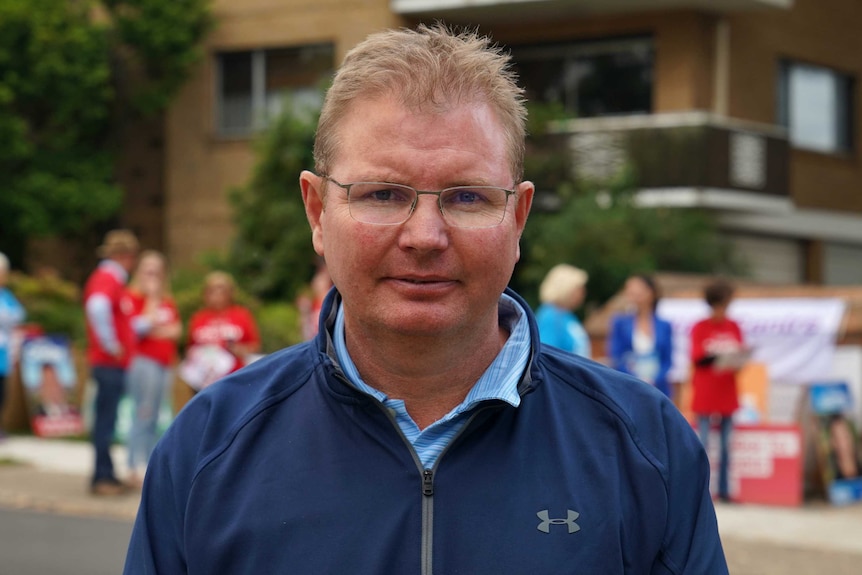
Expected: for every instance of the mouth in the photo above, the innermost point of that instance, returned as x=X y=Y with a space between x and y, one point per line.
x=426 y=280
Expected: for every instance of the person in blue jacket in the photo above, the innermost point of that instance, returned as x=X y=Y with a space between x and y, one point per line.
x=425 y=429
x=639 y=342
x=561 y=292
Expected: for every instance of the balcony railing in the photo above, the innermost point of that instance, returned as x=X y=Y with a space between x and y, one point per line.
x=672 y=155
x=477 y=11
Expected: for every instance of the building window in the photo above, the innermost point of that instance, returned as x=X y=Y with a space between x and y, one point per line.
x=589 y=79
x=815 y=105
x=252 y=86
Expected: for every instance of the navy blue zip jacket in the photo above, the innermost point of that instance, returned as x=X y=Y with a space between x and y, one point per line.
x=284 y=467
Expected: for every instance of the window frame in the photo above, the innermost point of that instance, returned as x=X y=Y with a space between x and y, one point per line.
x=259 y=96
x=569 y=52
x=845 y=140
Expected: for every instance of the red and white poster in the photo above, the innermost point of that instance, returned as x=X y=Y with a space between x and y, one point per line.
x=48 y=374
x=765 y=464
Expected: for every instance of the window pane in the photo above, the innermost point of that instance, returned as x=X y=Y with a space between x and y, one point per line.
x=815 y=104
x=235 y=111
x=590 y=78
x=813 y=108
x=297 y=72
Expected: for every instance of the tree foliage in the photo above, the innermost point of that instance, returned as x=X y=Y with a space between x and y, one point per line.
x=601 y=229
x=67 y=77
x=157 y=41
x=272 y=254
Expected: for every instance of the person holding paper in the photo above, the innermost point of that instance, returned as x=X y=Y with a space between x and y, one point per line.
x=717 y=352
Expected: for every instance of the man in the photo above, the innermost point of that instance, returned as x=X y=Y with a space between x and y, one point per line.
x=425 y=429
x=110 y=340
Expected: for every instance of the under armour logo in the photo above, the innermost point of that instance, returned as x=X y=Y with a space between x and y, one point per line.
x=545 y=525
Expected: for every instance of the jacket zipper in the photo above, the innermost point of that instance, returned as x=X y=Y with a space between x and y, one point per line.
x=427 y=551
x=427 y=554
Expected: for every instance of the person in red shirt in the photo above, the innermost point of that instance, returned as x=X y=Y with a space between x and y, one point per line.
x=156 y=322
x=220 y=326
x=110 y=342
x=717 y=352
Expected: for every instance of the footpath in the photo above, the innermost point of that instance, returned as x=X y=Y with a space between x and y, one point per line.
x=52 y=476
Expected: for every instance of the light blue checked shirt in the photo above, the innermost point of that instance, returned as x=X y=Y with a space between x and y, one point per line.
x=500 y=381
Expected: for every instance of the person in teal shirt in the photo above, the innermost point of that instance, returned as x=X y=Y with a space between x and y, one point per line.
x=561 y=293
x=11 y=314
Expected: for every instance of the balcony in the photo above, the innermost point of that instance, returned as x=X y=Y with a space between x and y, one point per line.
x=687 y=159
x=478 y=11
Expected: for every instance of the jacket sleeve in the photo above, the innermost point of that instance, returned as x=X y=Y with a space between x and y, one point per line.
x=692 y=545
x=616 y=343
x=664 y=345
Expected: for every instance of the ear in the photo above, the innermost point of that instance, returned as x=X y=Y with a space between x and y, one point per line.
x=313 y=194
x=522 y=208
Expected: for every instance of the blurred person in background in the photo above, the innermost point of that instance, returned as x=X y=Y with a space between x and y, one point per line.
x=309 y=305
x=156 y=322
x=561 y=292
x=717 y=353
x=11 y=315
x=844 y=453
x=110 y=343
x=222 y=335
x=639 y=342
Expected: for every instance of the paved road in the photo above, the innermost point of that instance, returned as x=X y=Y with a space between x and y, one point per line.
x=757 y=558
x=36 y=543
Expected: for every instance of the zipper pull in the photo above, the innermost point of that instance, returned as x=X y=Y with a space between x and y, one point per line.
x=428 y=483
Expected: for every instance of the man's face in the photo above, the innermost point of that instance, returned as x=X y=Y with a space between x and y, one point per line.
x=423 y=277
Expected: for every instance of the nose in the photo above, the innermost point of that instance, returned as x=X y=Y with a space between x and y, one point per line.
x=425 y=230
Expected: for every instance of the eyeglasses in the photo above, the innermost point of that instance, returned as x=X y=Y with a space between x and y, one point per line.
x=386 y=204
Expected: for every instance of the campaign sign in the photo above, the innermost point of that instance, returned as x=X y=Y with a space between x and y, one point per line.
x=765 y=464
x=48 y=375
x=839 y=449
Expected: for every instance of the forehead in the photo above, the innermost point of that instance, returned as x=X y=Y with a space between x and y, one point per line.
x=383 y=137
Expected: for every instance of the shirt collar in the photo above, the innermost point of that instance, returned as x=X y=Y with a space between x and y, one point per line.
x=498 y=382
x=115 y=269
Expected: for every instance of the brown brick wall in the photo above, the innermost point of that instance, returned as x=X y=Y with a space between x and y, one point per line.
x=823 y=32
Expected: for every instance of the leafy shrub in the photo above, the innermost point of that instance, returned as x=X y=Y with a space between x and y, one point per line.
x=52 y=303
x=279 y=325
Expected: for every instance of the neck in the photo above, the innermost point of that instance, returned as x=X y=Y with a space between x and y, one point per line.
x=431 y=374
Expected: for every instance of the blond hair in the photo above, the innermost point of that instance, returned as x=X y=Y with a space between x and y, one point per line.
x=428 y=69
x=219 y=277
x=146 y=255
x=118 y=242
x=559 y=283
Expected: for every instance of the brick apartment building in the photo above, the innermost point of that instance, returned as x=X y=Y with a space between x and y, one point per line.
x=746 y=107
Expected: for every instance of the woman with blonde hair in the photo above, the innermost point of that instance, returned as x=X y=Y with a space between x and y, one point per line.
x=561 y=293
x=156 y=323
x=223 y=334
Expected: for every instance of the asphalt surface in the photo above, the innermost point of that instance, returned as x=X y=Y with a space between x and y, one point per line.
x=36 y=543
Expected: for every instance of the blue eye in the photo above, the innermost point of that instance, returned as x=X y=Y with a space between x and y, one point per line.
x=464 y=197
x=380 y=193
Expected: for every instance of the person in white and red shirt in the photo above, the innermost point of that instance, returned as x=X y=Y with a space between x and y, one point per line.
x=221 y=325
x=156 y=323
x=110 y=342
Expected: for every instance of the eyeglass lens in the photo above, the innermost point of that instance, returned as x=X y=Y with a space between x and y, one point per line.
x=462 y=206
